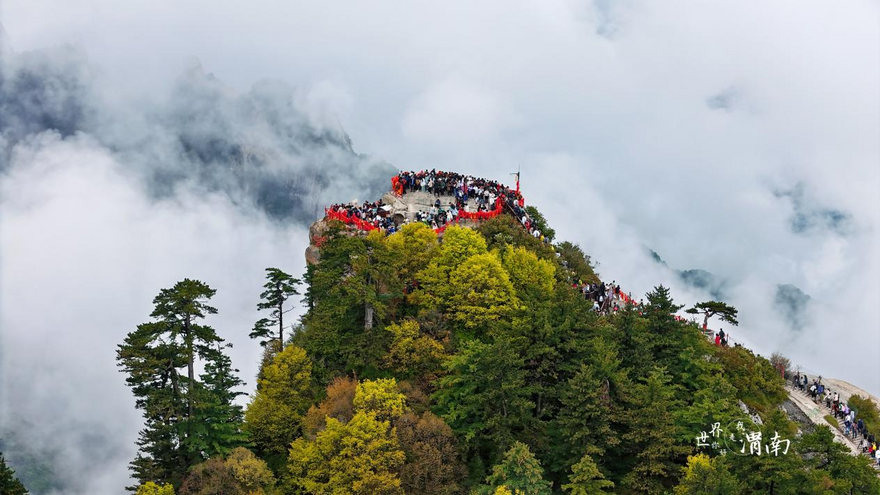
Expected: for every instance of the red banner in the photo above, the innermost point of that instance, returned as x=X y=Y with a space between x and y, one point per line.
x=343 y=217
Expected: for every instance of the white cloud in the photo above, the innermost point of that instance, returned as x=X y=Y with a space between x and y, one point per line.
x=456 y=112
x=84 y=253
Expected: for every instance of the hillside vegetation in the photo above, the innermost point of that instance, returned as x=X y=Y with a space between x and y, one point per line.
x=460 y=364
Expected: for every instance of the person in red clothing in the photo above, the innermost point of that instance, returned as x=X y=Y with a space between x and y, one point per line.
x=717 y=339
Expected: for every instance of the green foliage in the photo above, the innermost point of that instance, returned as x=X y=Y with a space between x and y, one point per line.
x=412 y=248
x=651 y=436
x=459 y=245
x=413 y=353
x=866 y=410
x=381 y=397
x=590 y=400
x=355 y=282
x=832 y=421
x=150 y=488
x=757 y=384
x=708 y=476
x=586 y=479
x=576 y=263
x=457 y=361
x=362 y=456
x=504 y=230
x=279 y=287
x=485 y=398
x=186 y=420
x=715 y=308
x=217 y=423
x=783 y=473
x=540 y=223
x=832 y=466
x=520 y=472
x=532 y=277
x=9 y=484
x=274 y=416
x=480 y=292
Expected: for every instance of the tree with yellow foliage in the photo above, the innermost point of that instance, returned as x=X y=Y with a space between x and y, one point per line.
x=273 y=418
x=532 y=277
x=412 y=248
x=459 y=244
x=381 y=397
x=586 y=479
x=412 y=353
x=150 y=488
x=361 y=457
x=709 y=476
x=480 y=292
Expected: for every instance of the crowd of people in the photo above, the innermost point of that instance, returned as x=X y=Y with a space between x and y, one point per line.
x=368 y=216
x=853 y=426
x=606 y=298
x=473 y=198
x=483 y=192
x=490 y=198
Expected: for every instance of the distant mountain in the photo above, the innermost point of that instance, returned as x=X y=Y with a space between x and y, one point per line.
x=697 y=278
x=257 y=148
x=792 y=303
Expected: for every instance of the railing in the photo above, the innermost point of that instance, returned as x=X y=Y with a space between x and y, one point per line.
x=360 y=224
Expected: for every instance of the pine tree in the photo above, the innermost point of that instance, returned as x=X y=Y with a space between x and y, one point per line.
x=705 y=476
x=485 y=397
x=218 y=418
x=274 y=416
x=664 y=329
x=279 y=287
x=586 y=479
x=185 y=420
x=9 y=484
x=715 y=308
x=651 y=436
x=520 y=472
x=590 y=400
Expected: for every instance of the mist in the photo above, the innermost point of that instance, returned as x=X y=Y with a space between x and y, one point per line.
x=145 y=144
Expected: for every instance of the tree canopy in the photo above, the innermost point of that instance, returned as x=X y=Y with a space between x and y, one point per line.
x=465 y=362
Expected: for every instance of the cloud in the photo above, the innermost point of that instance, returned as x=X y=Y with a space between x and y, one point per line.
x=104 y=202
x=807 y=218
x=793 y=304
x=84 y=253
x=456 y=112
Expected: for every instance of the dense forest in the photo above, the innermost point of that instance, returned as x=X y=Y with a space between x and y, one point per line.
x=464 y=363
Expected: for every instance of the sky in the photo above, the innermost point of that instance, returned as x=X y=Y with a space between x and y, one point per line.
x=741 y=138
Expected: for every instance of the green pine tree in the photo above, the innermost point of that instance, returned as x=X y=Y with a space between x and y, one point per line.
x=651 y=436
x=9 y=484
x=279 y=287
x=485 y=398
x=186 y=420
x=218 y=418
x=520 y=472
x=590 y=400
x=586 y=479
